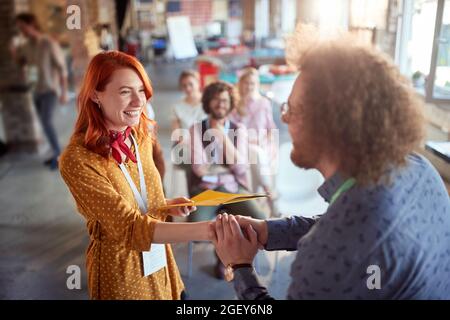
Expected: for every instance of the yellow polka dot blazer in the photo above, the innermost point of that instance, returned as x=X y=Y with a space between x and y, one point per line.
x=118 y=231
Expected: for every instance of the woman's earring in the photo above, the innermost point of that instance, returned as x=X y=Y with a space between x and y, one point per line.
x=99 y=104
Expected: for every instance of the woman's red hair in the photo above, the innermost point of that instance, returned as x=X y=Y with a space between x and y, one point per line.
x=90 y=121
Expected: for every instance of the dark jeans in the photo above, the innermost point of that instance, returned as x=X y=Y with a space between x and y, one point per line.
x=45 y=105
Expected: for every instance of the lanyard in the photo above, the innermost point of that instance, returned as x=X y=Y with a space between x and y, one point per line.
x=141 y=197
x=226 y=126
x=348 y=184
x=155 y=259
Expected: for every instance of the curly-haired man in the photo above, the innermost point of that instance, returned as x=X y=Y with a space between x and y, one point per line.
x=385 y=234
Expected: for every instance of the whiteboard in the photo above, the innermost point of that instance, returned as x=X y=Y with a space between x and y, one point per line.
x=181 y=38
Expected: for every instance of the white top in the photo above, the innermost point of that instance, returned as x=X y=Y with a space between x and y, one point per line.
x=187 y=114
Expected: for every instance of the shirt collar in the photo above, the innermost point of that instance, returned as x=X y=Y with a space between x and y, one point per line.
x=331 y=185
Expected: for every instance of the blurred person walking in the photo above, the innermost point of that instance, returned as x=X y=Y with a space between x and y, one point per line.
x=44 y=56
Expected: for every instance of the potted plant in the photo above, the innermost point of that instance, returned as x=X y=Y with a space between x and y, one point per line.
x=418 y=79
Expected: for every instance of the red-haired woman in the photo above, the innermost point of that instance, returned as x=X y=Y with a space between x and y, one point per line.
x=109 y=169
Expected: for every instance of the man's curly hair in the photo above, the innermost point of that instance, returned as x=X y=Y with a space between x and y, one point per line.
x=359 y=108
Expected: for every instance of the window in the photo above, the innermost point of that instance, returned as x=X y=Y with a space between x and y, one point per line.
x=441 y=76
x=423 y=47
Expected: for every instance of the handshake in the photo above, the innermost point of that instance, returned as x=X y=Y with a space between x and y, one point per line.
x=237 y=238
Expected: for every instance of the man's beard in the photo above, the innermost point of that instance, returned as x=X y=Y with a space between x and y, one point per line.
x=216 y=116
x=305 y=155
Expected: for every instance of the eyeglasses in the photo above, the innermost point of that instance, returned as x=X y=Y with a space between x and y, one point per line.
x=286 y=111
x=220 y=101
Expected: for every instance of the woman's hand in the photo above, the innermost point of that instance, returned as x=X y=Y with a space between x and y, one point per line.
x=183 y=211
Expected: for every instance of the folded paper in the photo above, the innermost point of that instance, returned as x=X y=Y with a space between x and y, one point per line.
x=216 y=198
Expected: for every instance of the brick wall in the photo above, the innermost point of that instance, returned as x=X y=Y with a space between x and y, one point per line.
x=21 y=5
x=51 y=15
x=9 y=72
x=248 y=15
x=199 y=11
x=84 y=43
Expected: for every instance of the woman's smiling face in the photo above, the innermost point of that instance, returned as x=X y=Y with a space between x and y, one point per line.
x=123 y=100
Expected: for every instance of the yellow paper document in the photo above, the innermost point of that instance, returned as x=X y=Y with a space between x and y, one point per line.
x=216 y=198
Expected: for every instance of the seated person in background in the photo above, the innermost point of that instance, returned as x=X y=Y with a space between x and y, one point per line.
x=219 y=156
x=189 y=109
x=386 y=232
x=254 y=111
x=186 y=112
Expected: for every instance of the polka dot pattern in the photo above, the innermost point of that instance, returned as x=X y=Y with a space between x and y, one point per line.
x=118 y=231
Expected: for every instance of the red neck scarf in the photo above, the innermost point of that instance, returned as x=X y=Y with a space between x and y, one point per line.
x=117 y=143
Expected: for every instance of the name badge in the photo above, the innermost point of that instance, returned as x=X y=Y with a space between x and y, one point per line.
x=155 y=259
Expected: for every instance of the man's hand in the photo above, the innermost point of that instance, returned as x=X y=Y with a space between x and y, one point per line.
x=233 y=245
x=180 y=211
x=260 y=226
